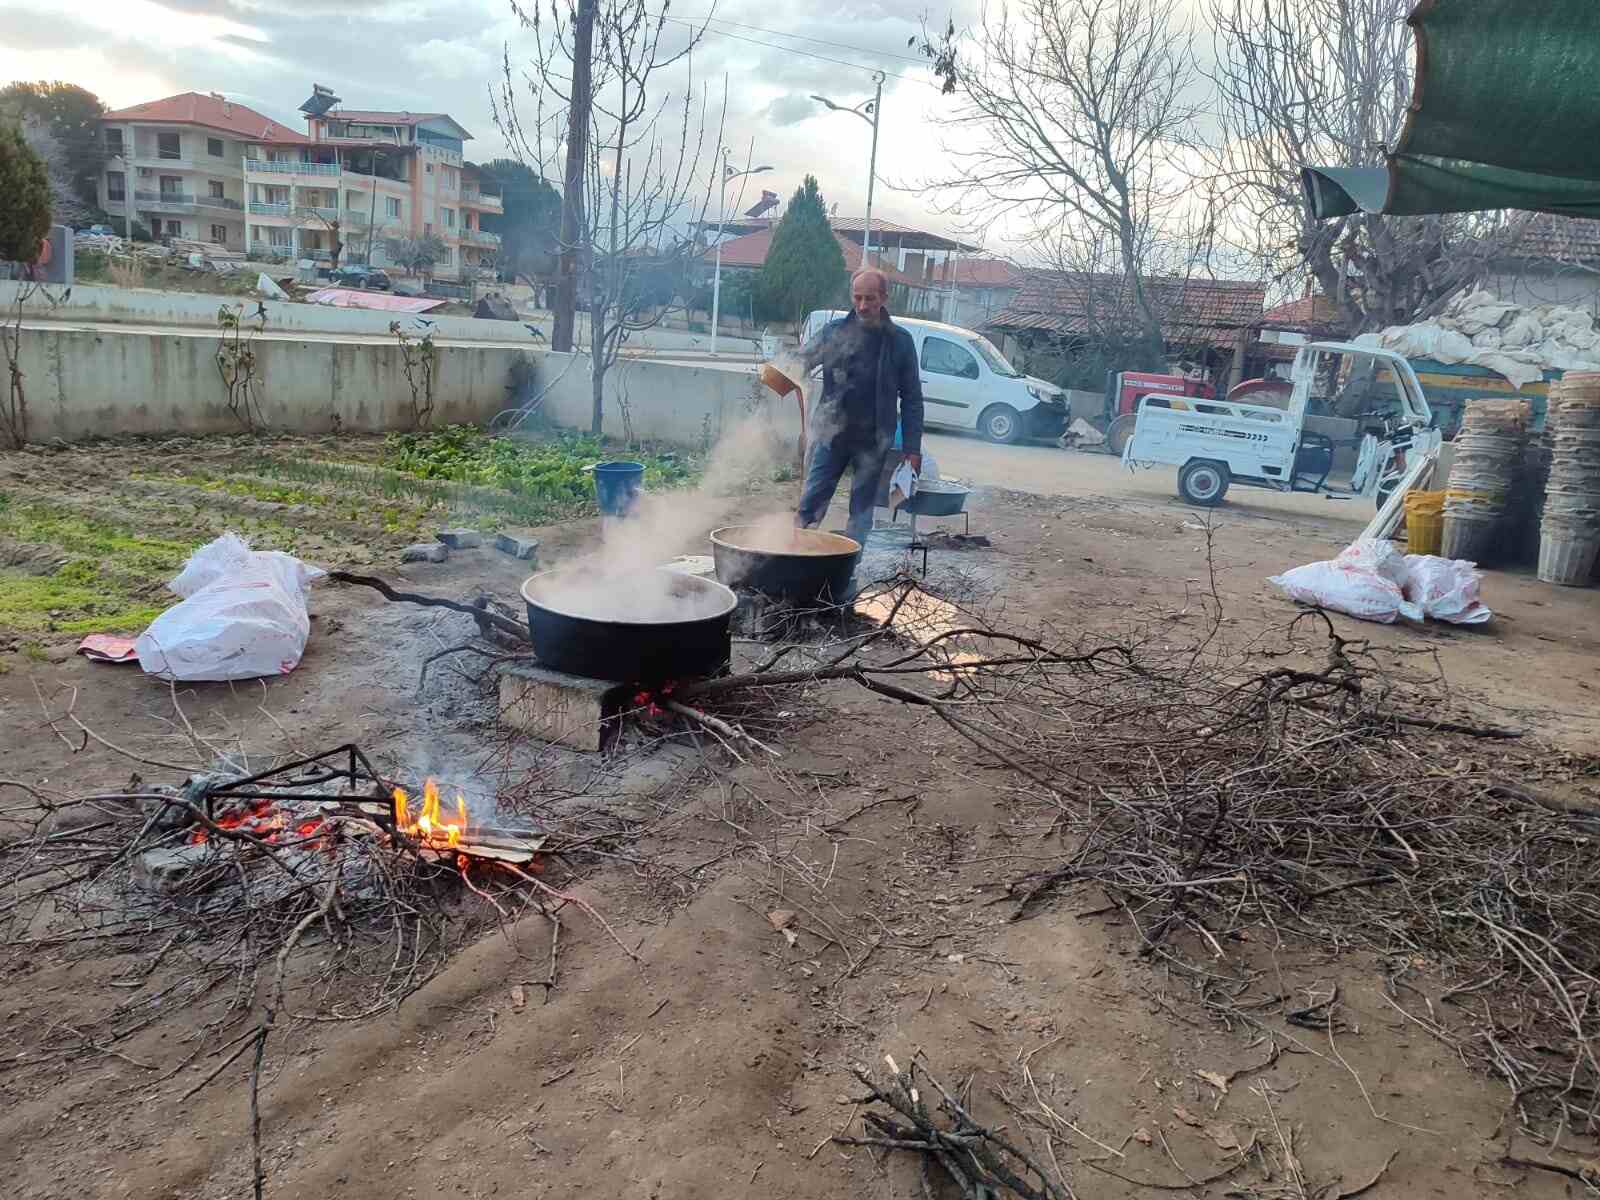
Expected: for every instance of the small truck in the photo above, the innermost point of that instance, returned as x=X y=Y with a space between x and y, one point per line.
x=1217 y=443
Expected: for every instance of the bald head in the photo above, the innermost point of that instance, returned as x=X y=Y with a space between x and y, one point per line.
x=869 y=293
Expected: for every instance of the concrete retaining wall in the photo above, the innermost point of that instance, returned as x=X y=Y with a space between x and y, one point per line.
x=101 y=382
x=84 y=383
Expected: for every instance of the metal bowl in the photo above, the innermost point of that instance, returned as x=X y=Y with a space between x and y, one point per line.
x=937 y=499
x=571 y=634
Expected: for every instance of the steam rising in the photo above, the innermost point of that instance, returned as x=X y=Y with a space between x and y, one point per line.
x=620 y=580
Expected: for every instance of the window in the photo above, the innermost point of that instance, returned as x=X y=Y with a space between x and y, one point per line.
x=944 y=357
x=215 y=188
x=116 y=184
x=427 y=227
x=214 y=147
x=391 y=207
x=114 y=142
x=355 y=201
x=219 y=234
x=168 y=146
x=429 y=168
x=449 y=215
x=997 y=361
x=278 y=238
x=172 y=185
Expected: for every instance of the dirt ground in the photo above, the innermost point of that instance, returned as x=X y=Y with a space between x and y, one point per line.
x=718 y=1066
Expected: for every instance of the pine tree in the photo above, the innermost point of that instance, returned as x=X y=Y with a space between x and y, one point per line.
x=24 y=198
x=805 y=267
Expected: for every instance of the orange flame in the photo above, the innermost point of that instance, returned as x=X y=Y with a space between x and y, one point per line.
x=429 y=827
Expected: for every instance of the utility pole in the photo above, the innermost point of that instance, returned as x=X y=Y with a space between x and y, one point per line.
x=868 y=111
x=572 y=220
x=728 y=176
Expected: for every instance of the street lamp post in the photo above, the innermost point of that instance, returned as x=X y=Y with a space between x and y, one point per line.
x=728 y=176
x=862 y=110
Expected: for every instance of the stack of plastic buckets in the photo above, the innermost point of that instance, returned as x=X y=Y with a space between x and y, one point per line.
x=1569 y=533
x=1488 y=453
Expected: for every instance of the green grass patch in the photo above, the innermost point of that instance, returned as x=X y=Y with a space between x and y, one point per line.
x=547 y=469
x=111 y=576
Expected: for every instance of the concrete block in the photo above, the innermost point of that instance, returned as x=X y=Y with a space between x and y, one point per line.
x=434 y=552
x=566 y=709
x=518 y=547
x=460 y=539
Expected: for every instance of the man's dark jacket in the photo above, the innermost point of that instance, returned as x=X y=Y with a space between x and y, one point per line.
x=899 y=378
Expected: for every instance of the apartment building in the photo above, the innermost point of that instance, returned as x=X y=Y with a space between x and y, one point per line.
x=177 y=165
x=358 y=176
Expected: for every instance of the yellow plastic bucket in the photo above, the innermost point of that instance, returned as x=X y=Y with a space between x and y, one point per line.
x=1424 y=522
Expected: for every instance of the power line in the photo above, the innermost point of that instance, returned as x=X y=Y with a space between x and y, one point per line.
x=838 y=62
x=802 y=37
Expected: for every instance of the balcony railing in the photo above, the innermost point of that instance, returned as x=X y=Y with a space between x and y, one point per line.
x=262 y=166
x=219 y=202
x=165 y=199
x=481 y=237
x=270 y=210
x=271 y=248
x=473 y=198
x=173 y=163
x=316 y=255
x=308 y=210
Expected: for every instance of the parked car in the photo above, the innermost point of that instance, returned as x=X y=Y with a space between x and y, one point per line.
x=371 y=278
x=968 y=384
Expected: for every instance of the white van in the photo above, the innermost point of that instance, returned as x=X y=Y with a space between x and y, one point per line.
x=968 y=384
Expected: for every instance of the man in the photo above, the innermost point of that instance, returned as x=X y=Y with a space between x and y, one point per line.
x=870 y=379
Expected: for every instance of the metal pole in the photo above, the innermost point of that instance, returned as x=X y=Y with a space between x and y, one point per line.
x=716 y=279
x=872 y=174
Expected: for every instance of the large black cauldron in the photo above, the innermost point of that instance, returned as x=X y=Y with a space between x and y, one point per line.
x=802 y=566
x=649 y=627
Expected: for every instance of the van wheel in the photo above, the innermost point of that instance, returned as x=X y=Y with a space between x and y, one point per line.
x=1001 y=423
x=1203 y=482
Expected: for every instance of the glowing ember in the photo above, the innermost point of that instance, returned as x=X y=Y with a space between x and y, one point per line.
x=429 y=826
x=265 y=821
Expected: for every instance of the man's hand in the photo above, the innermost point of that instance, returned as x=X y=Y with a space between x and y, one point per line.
x=916 y=462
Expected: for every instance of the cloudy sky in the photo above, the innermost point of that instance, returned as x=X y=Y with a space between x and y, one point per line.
x=444 y=54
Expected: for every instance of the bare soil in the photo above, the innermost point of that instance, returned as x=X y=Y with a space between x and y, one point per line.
x=719 y=1067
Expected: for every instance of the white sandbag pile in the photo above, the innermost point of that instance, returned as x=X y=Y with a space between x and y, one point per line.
x=1373 y=580
x=1512 y=340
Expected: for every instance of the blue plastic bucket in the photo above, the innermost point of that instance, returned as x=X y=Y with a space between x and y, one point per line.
x=616 y=487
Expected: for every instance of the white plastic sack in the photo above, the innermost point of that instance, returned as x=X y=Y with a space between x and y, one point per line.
x=1446 y=589
x=243 y=615
x=1363 y=581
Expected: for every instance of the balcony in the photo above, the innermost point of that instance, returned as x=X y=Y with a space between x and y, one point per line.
x=482 y=201
x=315 y=255
x=175 y=163
x=165 y=201
x=312 y=211
x=260 y=209
x=481 y=237
x=261 y=166
x=270 y=249
x=219 y=202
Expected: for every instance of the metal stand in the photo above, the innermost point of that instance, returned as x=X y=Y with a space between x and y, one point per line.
x=922 y=544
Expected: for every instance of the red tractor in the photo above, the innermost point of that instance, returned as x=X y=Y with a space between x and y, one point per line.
x=1127 y=390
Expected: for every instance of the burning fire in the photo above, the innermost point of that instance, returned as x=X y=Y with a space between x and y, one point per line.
x=429 y=826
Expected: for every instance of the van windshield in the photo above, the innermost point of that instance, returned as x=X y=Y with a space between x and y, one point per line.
x=997 y=361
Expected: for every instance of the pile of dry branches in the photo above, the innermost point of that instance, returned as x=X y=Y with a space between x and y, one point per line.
x=1222 y=801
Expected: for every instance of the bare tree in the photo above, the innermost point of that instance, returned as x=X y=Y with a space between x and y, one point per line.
x=1327 y=83
x=647 y=171
x=65 y=206
x=1072 y=119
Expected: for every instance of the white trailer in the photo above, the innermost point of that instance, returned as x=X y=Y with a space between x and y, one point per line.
x=1216 y=443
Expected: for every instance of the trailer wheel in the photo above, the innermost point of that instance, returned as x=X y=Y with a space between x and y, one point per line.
x=1203 y=482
